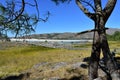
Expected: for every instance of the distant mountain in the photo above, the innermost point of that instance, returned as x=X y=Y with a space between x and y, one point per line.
x=69 y=35
x=112 y=30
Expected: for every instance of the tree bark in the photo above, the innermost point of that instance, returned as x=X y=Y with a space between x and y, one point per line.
x=109 y=61
x=100 y=42
x=100 y=17
x=95 y=57
x=96 y=49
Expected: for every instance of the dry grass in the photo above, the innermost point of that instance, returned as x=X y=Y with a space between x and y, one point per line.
x=17 y=59
x=64 y=72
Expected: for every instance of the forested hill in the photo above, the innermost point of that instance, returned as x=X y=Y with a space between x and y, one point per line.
x=69 y=35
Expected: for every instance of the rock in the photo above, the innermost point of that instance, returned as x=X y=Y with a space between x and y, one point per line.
x=59 y=65
x=98 y=78
x=40 y=64
x=101 y=73
x=22 y=76
x=80 y=64
x=115 y=76
x=54 y=78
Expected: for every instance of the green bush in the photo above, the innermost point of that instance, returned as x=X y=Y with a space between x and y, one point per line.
x=114 y=37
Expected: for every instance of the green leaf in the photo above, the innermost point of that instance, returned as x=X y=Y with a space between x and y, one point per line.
x=2 y=9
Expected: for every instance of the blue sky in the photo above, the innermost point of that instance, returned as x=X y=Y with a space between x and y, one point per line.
x=69 y=18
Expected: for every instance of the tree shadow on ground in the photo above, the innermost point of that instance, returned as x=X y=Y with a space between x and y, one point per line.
x=81 y=77
x=117 y=59
x=19 y=77
x=86 y=59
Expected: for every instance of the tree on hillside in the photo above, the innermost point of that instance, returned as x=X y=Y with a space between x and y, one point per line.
x=94 y=10
x=100 y=16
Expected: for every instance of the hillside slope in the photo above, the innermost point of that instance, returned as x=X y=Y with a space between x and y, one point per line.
x=69 y=35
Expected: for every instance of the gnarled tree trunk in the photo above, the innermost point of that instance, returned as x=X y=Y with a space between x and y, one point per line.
x=100 y=17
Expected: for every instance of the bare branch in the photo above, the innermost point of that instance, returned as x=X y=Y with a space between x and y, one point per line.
x=87 y=13
x=61 y=1
x=91 y=31
x=27 y=3
x=36 y=4
x=21 y=11
x=98 y=6
x=44 y=20
x=109 y=8
x=89 y=4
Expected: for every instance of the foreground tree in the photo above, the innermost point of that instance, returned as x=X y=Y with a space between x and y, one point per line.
x=100 y=16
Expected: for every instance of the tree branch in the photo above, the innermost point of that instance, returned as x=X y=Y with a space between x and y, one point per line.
x=89 y=4
x=91 y=31
x=109 y=8
x=98 y=6
x=44 y=20
x=86 y=12
x=26 y=3
x=36 y=4
x=21 y=11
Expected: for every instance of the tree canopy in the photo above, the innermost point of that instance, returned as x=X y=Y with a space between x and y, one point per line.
x=15 y=18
